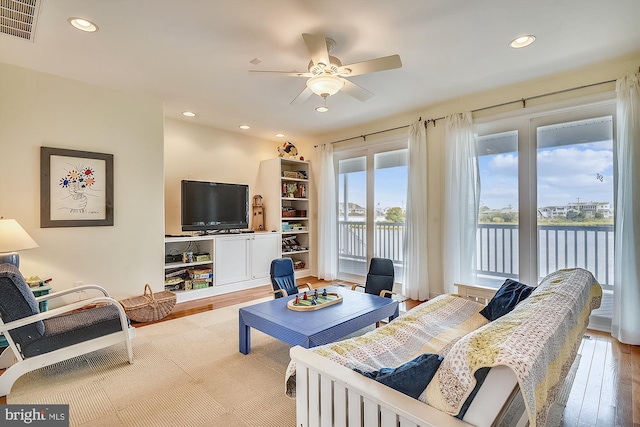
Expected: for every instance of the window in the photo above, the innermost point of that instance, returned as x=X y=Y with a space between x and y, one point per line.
x=372 y=187
x=546 y=199
x=497 y=233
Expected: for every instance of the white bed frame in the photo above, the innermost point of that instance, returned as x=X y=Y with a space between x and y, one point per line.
x=328 y=394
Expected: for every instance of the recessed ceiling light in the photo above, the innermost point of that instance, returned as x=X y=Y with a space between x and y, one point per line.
x=83 y=25
x=279 y=135
x=188 y=114
x=522 y=41
x=244 y=127
x=322 y=109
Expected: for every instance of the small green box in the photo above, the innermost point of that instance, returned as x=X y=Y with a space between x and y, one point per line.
x=199 y=285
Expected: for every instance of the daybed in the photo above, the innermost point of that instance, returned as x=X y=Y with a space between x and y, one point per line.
x=525 y=355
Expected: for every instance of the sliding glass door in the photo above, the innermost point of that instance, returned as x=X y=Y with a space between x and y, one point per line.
x=352 y=217
x=497 y=237
x=575 y=196
x=372 y=187
x=546 y=199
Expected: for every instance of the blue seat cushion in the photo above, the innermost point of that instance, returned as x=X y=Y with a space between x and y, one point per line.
x=17 y=302
x=410 y=378
x=506 y=299
x=73 y=328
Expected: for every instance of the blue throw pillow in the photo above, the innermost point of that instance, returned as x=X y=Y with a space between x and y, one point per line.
x=411 y=378
x=505 y=300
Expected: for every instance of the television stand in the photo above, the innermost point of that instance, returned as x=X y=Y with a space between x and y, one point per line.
x=238 y=261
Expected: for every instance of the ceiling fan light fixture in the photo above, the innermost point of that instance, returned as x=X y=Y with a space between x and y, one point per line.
x=325 y=85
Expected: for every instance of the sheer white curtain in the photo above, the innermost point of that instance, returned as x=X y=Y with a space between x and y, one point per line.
x=462 y=197
x=327 y=216
x=415 y=283
x=625 y=323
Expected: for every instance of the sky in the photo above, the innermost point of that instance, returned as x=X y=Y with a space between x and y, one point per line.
x=566 y=174
x=390 y=187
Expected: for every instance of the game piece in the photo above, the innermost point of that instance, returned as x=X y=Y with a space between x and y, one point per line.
x=315 y=294
x=304 y=296
x=297 y=299
x=314 y=302
x=324 y=292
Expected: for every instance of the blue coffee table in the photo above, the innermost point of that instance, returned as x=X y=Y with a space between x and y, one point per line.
x=317 y=327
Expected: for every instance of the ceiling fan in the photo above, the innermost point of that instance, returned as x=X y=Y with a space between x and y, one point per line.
x=326 y=74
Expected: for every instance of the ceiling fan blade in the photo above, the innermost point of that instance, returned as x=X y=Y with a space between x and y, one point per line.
x=303 y=96
x=317 y=47
x=371 y=66
x=284 y=73
x=358 y=92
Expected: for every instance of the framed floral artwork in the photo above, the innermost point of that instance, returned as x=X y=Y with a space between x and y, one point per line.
x=76 y=188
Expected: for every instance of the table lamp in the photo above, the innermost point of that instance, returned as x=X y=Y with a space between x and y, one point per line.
x=13 y=238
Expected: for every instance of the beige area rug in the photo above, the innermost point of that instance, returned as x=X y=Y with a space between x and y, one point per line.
x=186 y=372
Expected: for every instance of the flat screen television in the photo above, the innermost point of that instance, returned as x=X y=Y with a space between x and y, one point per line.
x=213 y=206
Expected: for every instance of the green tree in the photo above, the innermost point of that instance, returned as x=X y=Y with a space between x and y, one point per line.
x=576 y=216
x=394 y=214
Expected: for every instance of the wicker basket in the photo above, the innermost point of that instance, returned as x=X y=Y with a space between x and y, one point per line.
x=149 y=308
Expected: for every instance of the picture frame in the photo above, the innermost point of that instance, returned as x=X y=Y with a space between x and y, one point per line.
x=76 y=188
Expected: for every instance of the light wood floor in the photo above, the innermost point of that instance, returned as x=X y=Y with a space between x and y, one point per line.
x=605 y=393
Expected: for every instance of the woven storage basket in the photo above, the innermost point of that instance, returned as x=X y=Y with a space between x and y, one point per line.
x=151 y=307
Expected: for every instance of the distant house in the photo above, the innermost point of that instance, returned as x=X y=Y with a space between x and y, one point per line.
x=354 y=209
x=551 y=212
x=591 y=208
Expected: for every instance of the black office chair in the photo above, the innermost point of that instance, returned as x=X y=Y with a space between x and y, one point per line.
x=283 y=278
x=380 y=278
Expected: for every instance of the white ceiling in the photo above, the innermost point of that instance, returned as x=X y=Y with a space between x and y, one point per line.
x=195 y=54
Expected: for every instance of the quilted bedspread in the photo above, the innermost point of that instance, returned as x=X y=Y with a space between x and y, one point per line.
x=538 y=340
x=432 y=327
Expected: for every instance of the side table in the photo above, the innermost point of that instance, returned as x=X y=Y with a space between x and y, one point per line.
x=39 y=291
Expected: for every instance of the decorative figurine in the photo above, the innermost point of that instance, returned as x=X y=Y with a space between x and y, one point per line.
x=288 y=150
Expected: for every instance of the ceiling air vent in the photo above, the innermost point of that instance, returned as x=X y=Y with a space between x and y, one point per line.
x=18 y=18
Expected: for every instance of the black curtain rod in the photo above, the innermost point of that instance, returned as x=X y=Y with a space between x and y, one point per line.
x=521 y=100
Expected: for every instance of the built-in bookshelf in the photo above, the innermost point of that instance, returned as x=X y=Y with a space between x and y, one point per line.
x=285 y=196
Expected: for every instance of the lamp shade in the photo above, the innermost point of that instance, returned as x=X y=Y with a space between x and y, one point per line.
x=325 y=85
x=13 y=237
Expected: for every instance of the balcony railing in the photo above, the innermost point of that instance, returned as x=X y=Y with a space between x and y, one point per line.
x=589 y=247
x=388 y=240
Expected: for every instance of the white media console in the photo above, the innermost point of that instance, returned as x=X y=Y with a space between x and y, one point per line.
x=237 y=261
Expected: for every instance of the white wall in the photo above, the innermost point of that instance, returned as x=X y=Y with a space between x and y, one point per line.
x=38 y=109
x=435 y=135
